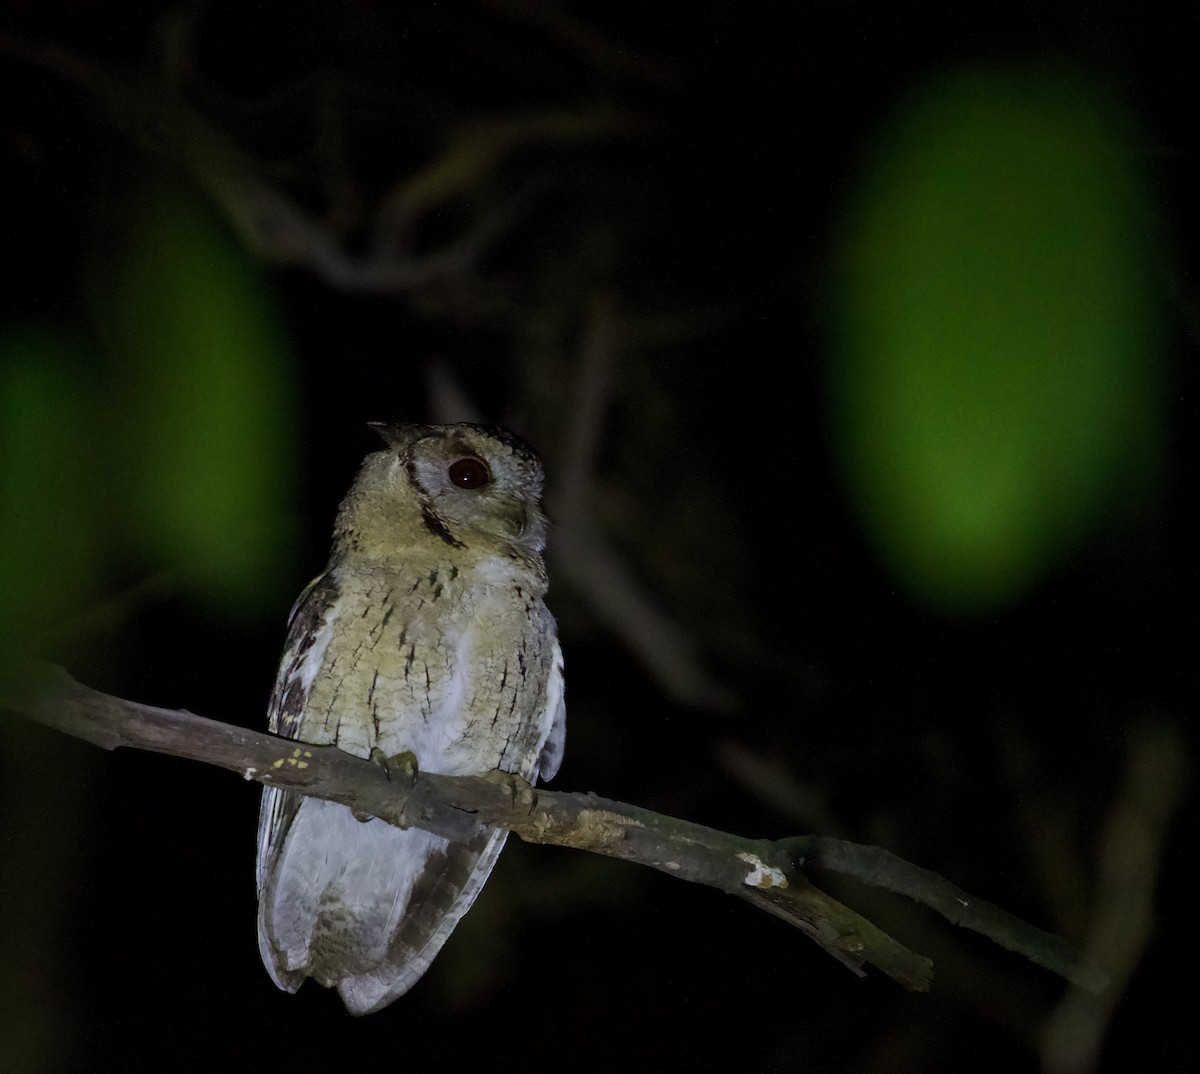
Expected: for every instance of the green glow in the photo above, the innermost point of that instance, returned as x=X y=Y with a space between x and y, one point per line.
x=206 y=413
x=996 y=370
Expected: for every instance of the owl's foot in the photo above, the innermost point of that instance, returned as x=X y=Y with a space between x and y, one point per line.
x=520 y=793
x=404 y=764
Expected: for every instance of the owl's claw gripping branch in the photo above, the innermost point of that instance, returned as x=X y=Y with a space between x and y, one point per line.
x=404 y=763
x=520 y=793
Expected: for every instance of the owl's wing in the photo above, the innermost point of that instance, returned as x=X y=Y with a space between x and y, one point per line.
x=451 y=876
x=556 y=708
x=307 y=638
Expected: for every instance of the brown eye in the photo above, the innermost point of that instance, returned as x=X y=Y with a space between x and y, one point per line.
x=469 y=473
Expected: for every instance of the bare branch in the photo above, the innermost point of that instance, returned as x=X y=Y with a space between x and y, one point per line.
x=767 y=873
x=277 y=228
x=882 y=869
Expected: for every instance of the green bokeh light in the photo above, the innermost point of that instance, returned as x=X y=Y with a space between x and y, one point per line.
x=996 y=370
x=206 y=408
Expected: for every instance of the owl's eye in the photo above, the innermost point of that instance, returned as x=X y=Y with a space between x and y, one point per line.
x=469 y=473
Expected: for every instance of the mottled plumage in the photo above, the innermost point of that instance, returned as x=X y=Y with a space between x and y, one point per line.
x=426 y=633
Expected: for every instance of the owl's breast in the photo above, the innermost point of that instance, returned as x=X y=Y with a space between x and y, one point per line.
x=451 y=664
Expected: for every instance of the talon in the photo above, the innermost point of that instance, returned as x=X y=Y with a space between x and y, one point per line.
x=406 y=764
x=518 y=790
x=377 y=756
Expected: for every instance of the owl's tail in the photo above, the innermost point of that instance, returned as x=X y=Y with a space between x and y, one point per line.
x=361 y=905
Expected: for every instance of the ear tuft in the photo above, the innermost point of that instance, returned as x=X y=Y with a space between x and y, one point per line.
x=397 y=435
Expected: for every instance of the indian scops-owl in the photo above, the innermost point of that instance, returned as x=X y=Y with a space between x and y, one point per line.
x=426 y=633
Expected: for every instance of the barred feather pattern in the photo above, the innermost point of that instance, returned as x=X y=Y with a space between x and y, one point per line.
x=448 y=652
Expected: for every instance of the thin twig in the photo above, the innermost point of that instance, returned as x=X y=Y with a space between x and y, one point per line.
x=581 y=551
x=1131 y=855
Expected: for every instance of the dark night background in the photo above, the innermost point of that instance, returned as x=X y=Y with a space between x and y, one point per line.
x=656 y=201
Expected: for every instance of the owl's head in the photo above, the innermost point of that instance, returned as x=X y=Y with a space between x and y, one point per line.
x=469 y=486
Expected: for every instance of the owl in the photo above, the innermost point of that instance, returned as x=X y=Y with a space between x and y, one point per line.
x=427 y=633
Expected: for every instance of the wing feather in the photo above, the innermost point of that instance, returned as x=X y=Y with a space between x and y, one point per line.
x=307 y=637
x=554 y=717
